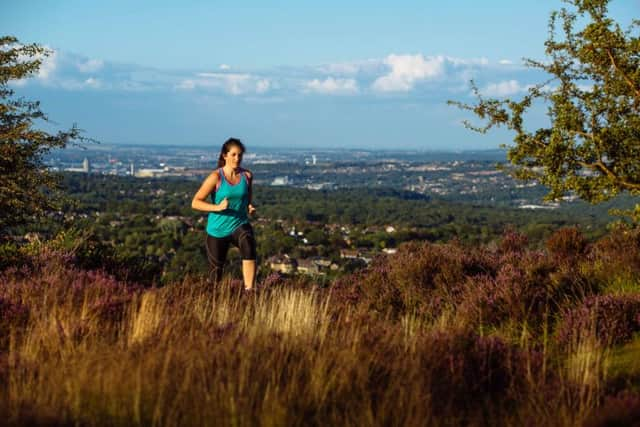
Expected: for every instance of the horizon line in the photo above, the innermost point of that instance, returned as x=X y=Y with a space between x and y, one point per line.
x=281 y=147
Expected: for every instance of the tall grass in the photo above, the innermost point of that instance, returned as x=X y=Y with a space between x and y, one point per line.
x=460 y=336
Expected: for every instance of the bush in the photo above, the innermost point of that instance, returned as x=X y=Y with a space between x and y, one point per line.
x=616 y=255
x=613 y=318
x=12 y=315
x=467 y=370
x=620 y=410
x=11 y=255
x=566 y=245
x=518 y=292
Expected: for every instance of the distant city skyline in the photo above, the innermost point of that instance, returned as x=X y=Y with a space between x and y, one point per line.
x=368 y=75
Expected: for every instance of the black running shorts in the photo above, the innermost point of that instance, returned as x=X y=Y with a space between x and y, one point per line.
x=217 y=248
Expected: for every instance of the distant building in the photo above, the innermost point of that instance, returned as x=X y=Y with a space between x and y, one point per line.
x=308 y=266
x=132 y=169
x=322 y=186
x=149 y=173
x=282 y=264
x=321 y=261
x=281 y=180
x=349 y=253
x=86 y=167
x=547 y=206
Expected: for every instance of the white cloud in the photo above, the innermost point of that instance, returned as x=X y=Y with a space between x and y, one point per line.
x=75 y=84
x=467 y=61
x=340 y=68
x=352 y=68
x=505 y=62
x=406 y=70
x=90 y=65
x=331 y=86
x=48 y=66
x=262 y=85
x=231 y=83
x=186 y=84
x=397 y=73
x=504 y=88
x=18 y=83
x=93 y=83
x=235 y=84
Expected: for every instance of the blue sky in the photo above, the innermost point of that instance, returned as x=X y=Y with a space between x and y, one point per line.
x=281 y=73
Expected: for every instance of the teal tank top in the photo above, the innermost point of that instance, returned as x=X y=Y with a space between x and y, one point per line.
x=224 y=223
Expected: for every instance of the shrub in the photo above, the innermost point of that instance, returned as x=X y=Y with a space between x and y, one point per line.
x=12 y=315
x=10 y=255
x=519 y=291
x=567 y=244
x=273 y=279
x=421 y=278
x=512 y=242
x=620 y=410
x=467 y=370
x=613 y=318
x=616 y=255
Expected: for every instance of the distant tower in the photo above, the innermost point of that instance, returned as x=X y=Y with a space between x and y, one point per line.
x=86 y=166
x=313 y=159
x=132 y=169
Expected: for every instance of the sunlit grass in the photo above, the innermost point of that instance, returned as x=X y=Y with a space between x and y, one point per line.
x=622 y=285
x=497 y=348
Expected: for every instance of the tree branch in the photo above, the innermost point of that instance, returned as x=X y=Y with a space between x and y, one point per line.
x=600 y=166
x=586 y=135
x=626 y=78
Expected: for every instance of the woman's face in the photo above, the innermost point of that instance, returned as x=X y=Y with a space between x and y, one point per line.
x=233 y=157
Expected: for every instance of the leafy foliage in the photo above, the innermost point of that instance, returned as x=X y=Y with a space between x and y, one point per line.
x=27 y=188
x=592 y=147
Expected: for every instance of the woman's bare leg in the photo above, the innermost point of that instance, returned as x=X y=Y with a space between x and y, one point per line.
x=249 y=272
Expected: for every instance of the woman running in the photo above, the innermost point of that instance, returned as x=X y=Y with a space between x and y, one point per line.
x=228 y=222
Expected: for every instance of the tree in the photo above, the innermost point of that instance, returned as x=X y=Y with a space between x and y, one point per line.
x=592 y=147
x=27 y=187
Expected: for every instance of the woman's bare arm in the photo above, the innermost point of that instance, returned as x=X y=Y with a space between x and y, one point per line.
x=250 y=208
x=199 y=202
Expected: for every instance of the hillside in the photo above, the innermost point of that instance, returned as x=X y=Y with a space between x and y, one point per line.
x=440 y=334
x=149 y=223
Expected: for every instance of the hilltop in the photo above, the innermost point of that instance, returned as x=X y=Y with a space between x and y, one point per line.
x=439 y=334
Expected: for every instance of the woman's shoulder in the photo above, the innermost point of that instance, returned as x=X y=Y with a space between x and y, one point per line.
x=214 y=176
x=247 y=172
